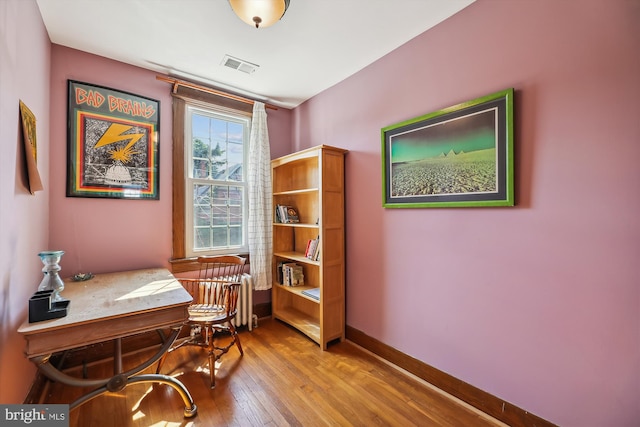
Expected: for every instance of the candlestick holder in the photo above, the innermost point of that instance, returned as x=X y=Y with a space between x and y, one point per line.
x=51 y=280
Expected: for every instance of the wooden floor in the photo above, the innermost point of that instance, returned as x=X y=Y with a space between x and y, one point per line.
x=284 y=379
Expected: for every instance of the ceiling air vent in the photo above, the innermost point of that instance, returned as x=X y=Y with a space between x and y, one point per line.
x=239 y=64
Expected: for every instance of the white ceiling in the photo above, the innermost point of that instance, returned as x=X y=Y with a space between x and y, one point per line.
x=317 y=44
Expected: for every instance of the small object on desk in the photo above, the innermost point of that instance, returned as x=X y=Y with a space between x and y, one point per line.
x=41 y=307
x=81 y=277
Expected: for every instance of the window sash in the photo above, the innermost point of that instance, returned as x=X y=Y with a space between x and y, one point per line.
x=208 y=216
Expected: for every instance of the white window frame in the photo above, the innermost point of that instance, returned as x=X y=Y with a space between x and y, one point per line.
x=190 y=180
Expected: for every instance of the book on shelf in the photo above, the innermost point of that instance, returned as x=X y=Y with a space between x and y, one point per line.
x=280 y=276
x=313 y=249
x=292 y=274
x=316 y=251
x=297 y=275
x=292 y=215
x=284 y=266
x=313 y=293
x=287 y=214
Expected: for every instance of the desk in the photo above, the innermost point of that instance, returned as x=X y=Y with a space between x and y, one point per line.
x=109 y=307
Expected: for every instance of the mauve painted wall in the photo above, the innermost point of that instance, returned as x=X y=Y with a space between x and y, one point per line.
x=537 y=304
x=24 y=227
x=102 y=235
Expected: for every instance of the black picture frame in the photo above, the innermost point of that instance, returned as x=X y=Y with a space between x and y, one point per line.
x=460 y=156
x=113 y=143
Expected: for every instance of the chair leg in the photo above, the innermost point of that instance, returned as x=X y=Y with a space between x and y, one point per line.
x=212 y=369
x=212 y=356
x=236 y=337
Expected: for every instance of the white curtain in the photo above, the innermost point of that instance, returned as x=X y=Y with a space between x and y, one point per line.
x=260 y=203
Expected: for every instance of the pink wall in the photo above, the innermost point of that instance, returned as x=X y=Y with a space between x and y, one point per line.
x=537 y=304
x=101 y=235
x=24 y=227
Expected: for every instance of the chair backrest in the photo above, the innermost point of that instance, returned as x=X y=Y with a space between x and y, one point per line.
x=227 y=267
x=218 y=283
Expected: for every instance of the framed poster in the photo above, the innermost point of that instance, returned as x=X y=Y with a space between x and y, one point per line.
x=461 y=156
x=112 y=143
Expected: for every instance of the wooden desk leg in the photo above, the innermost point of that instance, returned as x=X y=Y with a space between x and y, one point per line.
x=117 y=356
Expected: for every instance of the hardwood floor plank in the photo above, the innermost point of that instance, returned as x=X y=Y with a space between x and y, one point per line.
x=284 y=379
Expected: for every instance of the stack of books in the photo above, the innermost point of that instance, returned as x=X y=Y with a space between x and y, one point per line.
x=290 y=274
x=286 y=214
x=313 y=249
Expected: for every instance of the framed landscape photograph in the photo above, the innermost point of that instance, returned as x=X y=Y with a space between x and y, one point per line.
x=461 y=156
x=113 y=139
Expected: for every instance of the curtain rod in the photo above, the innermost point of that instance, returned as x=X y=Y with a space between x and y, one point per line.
x=177 y=83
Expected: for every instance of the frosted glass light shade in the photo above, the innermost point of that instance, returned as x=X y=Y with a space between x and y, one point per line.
x=259 y=13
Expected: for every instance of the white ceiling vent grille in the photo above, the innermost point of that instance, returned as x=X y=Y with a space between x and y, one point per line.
x=239 y=64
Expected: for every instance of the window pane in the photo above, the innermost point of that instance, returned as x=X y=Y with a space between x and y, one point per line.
x=235 y=236
x=235 y=156
x=201 y=162
x=202 y=217
x=218 y=161
x=201 y=194
x=200 y=126
x=219 y=131
x=235 y=215
x=235 y=132
x=219 y=215
x=220 y=195
x=202 y=238
x=201 y=205
x=220 y=239
x=235 y=196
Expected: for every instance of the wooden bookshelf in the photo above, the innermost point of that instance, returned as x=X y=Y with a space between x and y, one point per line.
x=312 y=181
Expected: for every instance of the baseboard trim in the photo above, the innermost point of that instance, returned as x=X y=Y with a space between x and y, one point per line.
x=262 y=310
x=485 y=402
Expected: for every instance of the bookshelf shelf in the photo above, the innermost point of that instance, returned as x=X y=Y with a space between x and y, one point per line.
x=311 y=181
x=296 y=257
x=297 y=290
x=296 y=224
x=294 y=192
x=300 y=320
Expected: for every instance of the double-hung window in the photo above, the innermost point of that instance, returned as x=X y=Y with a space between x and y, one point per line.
x=216 y=146
x=209 y=197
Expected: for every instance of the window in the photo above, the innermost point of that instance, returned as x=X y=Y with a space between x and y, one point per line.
x=216 y=209
x=210 y=170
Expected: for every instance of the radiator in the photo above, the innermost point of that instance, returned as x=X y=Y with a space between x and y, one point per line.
x=245 y=303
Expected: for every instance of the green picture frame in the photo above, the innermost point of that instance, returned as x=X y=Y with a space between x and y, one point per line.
x=460 y=156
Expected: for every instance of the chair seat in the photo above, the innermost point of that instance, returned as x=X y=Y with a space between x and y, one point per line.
x=206 y=313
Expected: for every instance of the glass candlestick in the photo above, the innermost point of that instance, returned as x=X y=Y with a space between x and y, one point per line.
x=51 y=280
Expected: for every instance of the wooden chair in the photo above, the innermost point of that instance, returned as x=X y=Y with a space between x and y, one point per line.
x=215 y=298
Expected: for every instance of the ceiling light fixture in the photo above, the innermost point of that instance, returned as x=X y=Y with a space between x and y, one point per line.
x=261 y=13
